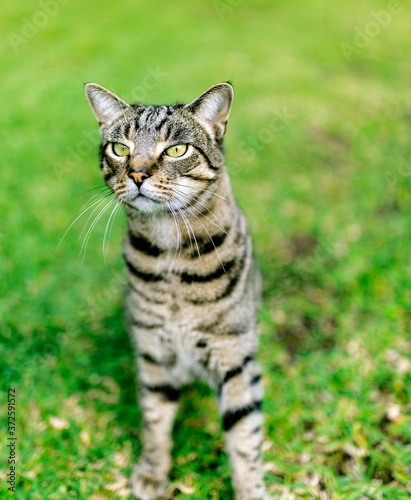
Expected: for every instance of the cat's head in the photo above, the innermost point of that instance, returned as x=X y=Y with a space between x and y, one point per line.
x=156 y=157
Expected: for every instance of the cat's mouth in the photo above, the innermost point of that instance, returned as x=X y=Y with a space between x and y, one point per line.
x=149 y=196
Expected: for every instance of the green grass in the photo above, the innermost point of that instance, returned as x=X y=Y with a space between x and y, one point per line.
x=319 y=152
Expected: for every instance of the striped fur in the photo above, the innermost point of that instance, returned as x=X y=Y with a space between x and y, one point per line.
x=193 y=285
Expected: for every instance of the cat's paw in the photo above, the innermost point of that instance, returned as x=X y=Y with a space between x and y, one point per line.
x=146 y=486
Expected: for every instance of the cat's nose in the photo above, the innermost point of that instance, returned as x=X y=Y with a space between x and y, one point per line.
x=138 y=177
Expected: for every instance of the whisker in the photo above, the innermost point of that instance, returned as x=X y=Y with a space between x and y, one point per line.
x=104 y=187
x=189 y=228
x=103 y=199
x=83 y=211
x=211 y=239
x=179 y=211
x=219 y=225
x=205 y=190
x=101 y=195
x=120 y=203
x=179 y=240
x=178 y=236
x=90 y=229
x=92 y=226
x=105 y=244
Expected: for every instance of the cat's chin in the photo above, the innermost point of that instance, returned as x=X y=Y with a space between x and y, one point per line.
x=146 y=205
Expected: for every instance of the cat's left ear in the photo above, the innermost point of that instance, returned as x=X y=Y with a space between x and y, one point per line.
x=106 y=106
x=212 y=108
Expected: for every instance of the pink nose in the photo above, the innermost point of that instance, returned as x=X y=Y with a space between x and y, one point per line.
x=138 y=177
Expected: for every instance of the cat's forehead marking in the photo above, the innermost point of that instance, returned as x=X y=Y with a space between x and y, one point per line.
x=153 y=117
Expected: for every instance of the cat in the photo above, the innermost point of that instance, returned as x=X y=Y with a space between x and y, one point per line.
x=193 y=284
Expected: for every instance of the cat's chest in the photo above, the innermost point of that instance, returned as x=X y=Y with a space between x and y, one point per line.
x=160 y=232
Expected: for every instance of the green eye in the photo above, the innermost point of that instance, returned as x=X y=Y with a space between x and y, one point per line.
x=176 y=151
x=121 y=149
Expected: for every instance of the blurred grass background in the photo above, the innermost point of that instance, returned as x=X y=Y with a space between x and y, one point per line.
x=318 y=146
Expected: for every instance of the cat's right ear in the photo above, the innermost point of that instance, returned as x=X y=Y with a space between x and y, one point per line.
x=106 y=106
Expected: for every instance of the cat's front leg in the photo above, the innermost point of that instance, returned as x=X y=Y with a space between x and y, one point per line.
x=241 y=394
x=158 y=401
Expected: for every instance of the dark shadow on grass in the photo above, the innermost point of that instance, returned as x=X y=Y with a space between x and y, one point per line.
x=299 y=284
x=113 y=356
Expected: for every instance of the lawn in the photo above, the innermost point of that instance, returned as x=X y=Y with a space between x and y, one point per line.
x=319 y=151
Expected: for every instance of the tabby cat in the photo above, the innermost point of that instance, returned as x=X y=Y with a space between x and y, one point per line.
x=193 y=285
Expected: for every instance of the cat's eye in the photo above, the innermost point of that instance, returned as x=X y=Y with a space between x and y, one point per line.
x=121 y=149
x=176 y=151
